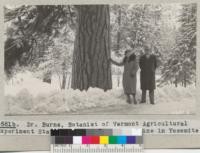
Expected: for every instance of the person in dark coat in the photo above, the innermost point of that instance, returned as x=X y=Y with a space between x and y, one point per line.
x=129 y=75
x=147 y=64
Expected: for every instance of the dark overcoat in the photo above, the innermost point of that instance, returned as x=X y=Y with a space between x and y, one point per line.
x=147 y=74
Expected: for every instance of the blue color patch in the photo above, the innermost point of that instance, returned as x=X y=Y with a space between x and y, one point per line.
x=131 y=140
x=121 y=139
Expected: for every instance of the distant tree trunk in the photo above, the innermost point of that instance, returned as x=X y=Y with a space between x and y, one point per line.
x=118 y=80
x=69 y=80
x=118 y=32
x=47 y=77
x=64 y=81
x=118 y=77
x=185 y=80
x=176 y=82
x=91 y=66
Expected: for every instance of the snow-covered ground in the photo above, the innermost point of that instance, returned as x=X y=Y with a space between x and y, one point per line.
x=28 y=95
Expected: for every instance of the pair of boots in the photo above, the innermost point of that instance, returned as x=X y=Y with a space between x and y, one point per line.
x=151 y=96
x=128 y=98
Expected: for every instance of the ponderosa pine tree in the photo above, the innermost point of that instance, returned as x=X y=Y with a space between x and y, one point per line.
x=91 y=66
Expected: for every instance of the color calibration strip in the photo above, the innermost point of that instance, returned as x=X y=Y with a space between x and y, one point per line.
x=96 y=136
x=97 y=141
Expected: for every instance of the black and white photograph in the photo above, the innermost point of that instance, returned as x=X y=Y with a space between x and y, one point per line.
x=100 y=59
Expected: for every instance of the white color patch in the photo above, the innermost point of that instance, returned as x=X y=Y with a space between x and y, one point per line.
x=77 y=140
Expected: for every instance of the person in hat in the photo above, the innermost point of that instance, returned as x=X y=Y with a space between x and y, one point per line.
x=129 y=75
x=148 y=65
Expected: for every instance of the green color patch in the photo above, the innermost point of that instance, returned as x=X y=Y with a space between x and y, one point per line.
x=112 y=139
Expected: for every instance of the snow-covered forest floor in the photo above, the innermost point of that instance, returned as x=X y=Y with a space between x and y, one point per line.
x=28 y=95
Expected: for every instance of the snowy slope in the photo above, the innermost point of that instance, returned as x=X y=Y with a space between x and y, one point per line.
x=28 y=95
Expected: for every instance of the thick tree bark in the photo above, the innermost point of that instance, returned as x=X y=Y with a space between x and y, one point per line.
x=91 y=66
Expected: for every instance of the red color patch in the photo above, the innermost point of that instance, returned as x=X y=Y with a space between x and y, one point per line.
x=94 y=139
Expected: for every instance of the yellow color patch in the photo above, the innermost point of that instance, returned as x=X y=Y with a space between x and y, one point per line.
x=104 y=140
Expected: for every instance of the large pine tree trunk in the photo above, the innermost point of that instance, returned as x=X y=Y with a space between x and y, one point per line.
x=91 y=66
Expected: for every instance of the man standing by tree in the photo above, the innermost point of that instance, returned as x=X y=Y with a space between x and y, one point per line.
x=148 y=64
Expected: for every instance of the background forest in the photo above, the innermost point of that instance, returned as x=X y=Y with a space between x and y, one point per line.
x=43 y=64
